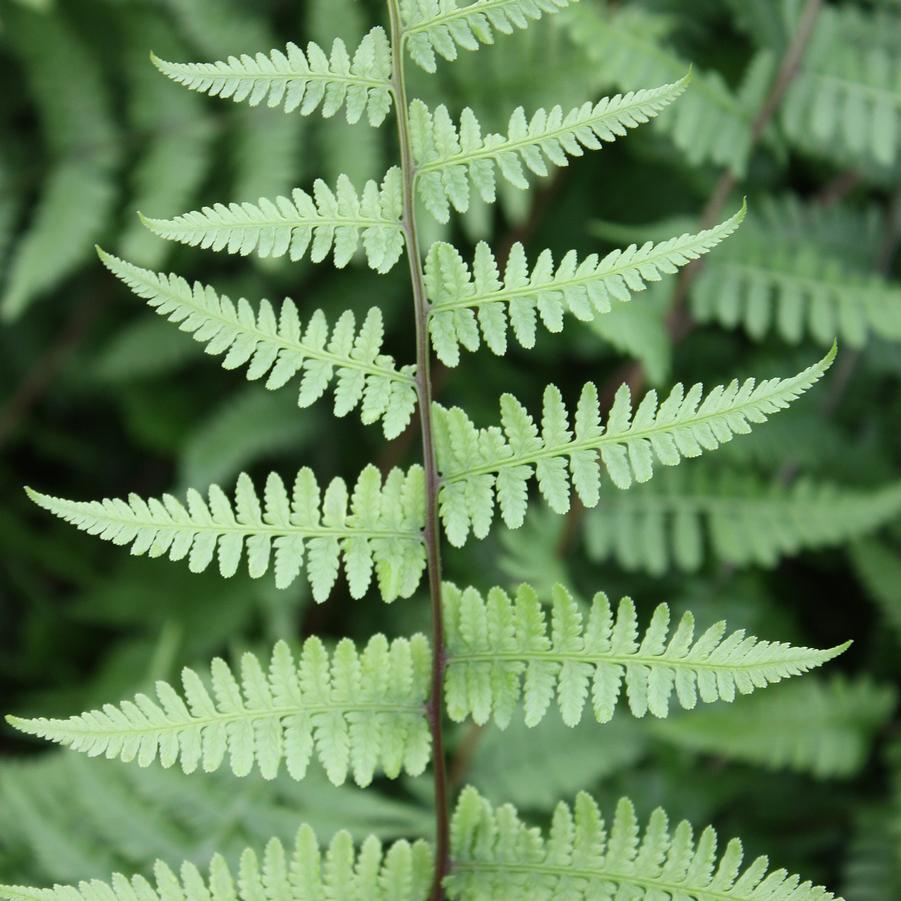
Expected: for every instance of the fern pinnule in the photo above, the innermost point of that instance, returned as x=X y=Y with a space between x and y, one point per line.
x=300 y=81
x=280 y=347
x=496 y=855
x=323 y=222
x=403 y=872
x=502 y=651
x=354 y=711
x=448 y=158
x=468 y=302
x=443 y=27
x=377 y=528
x=482 y=468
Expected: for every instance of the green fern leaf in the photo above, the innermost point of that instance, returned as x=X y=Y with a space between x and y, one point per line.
x=878 y=568
x=355 y=712
x=298 y=81
x=502 y=651
x=496 y=855
x=825 y=728
x=772 y=278
x=448 y=158
x=680 y=519
x=403 y=873
x=629 y=48
x=382 y=529
x=328 y=221
x=442 y=27
x=484 y=467
x=846 y=98
x=280 y=347
x=466 y=302
x=179 y=149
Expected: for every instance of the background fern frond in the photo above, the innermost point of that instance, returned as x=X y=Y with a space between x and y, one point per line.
x=448 y=158
x=772 y=278
x=496 y=855
x=298 y=81
x=847 y=95
x=402 y=873
x=503 y=650
x=79 y=193
x=442 y=27
x=680 y=519
x=377 y=528
x=710 y=124
x=355 y=712
x=322 y=223
x=466 y=302
x=484 y=467
x=822 y=727
x=281 y=347
x=878 y=566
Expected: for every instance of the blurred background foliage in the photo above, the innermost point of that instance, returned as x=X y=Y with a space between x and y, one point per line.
x=794 y=533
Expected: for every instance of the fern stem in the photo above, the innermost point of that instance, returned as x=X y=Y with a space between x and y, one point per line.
x=424 y=389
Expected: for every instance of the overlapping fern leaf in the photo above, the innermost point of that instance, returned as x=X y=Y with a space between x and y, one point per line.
x=496 y=855
x=823 y=727
x=449 y=157
x=772 y=278
x=471 y=305
x=279 y=347
x=300 y=81
x=358 y=712
x=846 y=99
x=683 y=518
x=629 y=46
x=377 y=528
x=322 y=223
x=402 y=873
x=503 y=652
x=443 y=27
x=484 y=468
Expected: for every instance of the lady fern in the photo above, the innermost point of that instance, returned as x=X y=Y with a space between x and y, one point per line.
x=382 y=709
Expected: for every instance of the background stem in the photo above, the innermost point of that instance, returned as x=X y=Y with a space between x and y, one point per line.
x=424 y=388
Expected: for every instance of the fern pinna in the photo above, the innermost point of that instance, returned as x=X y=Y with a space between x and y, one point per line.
x=381 y=709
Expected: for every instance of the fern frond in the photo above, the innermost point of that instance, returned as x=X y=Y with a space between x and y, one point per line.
x=448 y=158
x=503 y=651
x=877 y=565
x=466 y=302
x=496 y=855
x=821 y=727
x=442 y=27
x=178 y=152
x=280 y=347
x=356 y=712
x=378 y=527
x=75 y=206
x=484 y=467
x=402 y=873
x=629 y=48
x=770 y=279
x=680 y=519
x=847 y=93
x=326 y=221
x=298 y=81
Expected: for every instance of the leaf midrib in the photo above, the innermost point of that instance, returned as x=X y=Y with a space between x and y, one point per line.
x=508 y=146
x=674 y=888
x=240 y=716
x=596 y=442
x=509 y=295
x=272 y=338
